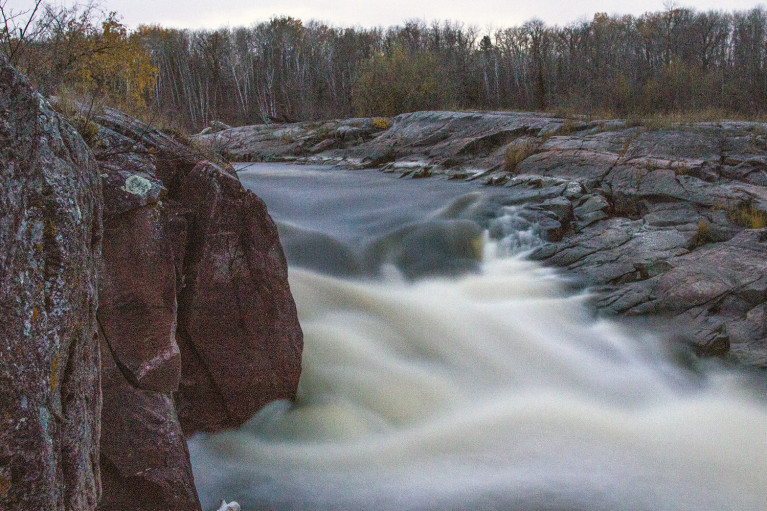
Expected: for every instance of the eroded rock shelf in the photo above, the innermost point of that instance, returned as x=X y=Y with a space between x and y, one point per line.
x=661 y=220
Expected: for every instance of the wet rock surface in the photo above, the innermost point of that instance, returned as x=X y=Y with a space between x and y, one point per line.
x=50 y=235
x=660 y=220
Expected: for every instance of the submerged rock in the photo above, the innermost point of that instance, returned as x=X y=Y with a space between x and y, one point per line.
x=50 y=246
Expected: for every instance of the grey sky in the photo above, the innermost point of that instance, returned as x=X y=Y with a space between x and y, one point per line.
x=482 y=13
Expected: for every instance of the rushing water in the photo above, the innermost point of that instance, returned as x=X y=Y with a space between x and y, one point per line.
x=432 y=380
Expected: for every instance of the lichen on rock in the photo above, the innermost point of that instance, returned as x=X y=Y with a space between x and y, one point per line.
x=137 y=185
x=50 y=235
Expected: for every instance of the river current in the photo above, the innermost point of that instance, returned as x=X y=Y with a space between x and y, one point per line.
x=442 y=370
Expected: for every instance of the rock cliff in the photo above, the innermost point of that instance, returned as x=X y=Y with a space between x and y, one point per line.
x=199 y=326
x=138 y=275
x=660 y=220
x=50 y=250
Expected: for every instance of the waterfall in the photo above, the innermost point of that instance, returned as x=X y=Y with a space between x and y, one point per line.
x=496 y=388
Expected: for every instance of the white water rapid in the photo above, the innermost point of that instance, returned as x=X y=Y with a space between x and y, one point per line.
x=494 y=389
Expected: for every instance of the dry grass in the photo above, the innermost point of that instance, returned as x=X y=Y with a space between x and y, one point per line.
x=517 y=151
x=381 y=123
x=703 y=236
x=627 y=144
x=79 y=110
x=663 y=119
x=682 y=169
x=571 y=126
x=652 y=123
x=657 y=120
x=747 y=216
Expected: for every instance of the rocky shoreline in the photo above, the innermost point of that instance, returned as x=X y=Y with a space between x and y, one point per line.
x=667 y=221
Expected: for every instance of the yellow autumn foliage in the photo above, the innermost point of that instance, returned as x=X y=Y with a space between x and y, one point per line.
x=115 y=65
x=92 y=57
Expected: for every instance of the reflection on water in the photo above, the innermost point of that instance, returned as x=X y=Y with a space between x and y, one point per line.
x=480 y=385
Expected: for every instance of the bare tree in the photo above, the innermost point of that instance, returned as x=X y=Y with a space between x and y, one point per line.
x=15 y=29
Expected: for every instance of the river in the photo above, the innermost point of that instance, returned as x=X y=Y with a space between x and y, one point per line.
x=442 y=370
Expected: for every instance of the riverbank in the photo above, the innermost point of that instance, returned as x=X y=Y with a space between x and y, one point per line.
x=667 y=221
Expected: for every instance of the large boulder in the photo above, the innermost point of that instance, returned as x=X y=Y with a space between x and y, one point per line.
x=200 y=329
x=240 y=339
x=50 y=236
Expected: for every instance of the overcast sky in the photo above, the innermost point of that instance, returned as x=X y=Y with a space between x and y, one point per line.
x=482 y=13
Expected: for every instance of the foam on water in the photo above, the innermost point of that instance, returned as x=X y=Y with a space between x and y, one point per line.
x=497 y=389
x=494 y=390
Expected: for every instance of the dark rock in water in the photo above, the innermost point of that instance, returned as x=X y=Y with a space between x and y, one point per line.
x=319 y=251
x=50 y=246
x=714 y=343
x=436 y=247
x=236 y=314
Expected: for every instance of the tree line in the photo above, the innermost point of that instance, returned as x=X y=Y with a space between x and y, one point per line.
x=676 y=60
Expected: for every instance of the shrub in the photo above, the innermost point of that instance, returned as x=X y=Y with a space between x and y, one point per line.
x=88 y=129
x=381 y=123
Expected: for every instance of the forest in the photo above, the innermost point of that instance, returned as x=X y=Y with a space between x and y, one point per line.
x=676 y=61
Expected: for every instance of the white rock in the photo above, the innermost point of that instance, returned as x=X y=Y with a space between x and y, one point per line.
x=232 y=506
